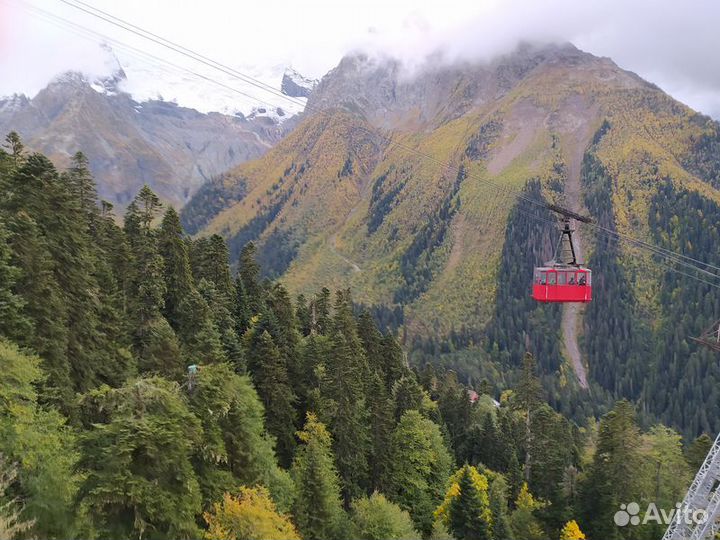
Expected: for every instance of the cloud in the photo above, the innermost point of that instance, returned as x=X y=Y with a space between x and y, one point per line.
x=670 y=43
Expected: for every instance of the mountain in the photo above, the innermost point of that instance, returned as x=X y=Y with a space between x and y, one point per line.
x=295 y=85
x=405 y=188
x=171 y=148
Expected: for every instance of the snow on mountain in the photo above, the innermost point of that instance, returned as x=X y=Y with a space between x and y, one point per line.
x=205 y=89
x=295 y=85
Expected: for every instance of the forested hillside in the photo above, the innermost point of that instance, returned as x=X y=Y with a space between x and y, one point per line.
x=148 y=391
x=412 y=188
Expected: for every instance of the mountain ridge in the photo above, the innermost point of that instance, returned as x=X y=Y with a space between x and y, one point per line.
x=427 y=236
x=171 y=148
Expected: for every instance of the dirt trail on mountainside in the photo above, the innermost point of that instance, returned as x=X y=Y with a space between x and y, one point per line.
x=575 y=125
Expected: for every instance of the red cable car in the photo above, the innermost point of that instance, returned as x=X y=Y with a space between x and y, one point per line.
x=562 y=283
x=565 y=280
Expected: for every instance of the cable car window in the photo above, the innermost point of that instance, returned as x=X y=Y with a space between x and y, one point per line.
x=543 y=278
x=571 y=278
x=561 y=278
x=582 y=279
x=552 y=278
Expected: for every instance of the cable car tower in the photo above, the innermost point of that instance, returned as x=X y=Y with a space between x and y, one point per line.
x=704 y=492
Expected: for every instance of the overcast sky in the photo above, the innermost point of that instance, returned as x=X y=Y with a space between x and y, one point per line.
x=672 y=43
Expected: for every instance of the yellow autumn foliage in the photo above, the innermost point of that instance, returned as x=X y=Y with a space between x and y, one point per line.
x=249 y=516
x=442 y=513
x=571 y=531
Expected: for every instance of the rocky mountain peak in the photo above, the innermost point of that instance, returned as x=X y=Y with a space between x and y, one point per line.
x=295 y=85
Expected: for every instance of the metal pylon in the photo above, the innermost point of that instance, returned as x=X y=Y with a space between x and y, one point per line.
x=702 y=495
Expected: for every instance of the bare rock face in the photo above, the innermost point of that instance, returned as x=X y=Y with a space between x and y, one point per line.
x=295 y=85
x=172 y=149
x=390 y=95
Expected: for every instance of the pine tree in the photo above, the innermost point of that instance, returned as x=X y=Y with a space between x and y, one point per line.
x=419 y=468
x=137 y=451
x=249 y=274
x=454 y=405
x=220 y=317
x=501 y=529
x=211 y=262
x=271 y=380
x=16 y=149
x=198 y=335
x=318 y=508
x=36 y=439
x=528 y=397
x=320 y=313
x=303 y=315
x=613 y=474
x=236 y=448
x=465 y=511
x=43 y=305
x=241 y=308
x=697 y=451
x=393 y=360
x=407 y=395
x=82 y=188
x=381 y=425
x=523 y=521
x=515 y=476
x=178 y=277
x=14 y=324
x=345 y=385
x=371 y=340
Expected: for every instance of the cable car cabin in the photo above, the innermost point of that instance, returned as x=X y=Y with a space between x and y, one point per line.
x=562 y=284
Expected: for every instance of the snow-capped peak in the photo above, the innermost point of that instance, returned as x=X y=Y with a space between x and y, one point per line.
x=295 y=85
x=204 y=89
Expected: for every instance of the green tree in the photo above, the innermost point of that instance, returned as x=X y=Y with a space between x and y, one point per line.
x=37 y=440
x=270 y=377
x=11 y=522
x=235 y=449
x=43 y=305
x=376 y=518
x=318 y=509
x=466 y=508
x=178 y=277
x=407 y=395
x=14 y=324
x=697 y=451
x=393 y=360
x=419 y=468
x=523 y=521
x=344 y=386
x=613 y=474
x=136 y=456
x=249 y=274
x=501 y=529
x=82 y=188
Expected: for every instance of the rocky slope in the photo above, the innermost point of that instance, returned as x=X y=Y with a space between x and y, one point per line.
x=173 y=149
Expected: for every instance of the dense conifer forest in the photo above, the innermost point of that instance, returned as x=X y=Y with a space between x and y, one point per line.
x=149 y=391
